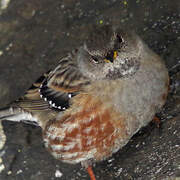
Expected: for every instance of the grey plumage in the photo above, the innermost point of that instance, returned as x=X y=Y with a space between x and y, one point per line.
x=97 y=98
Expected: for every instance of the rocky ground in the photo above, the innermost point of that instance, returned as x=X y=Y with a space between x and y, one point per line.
x=36 y=34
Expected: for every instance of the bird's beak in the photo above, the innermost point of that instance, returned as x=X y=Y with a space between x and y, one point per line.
x=111 y=57
x=115 y=55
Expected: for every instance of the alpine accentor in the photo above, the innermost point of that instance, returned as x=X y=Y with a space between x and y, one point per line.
x=97 y=97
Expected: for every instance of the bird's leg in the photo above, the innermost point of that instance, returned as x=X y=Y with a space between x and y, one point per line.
x=88 y=166
x=91 y=173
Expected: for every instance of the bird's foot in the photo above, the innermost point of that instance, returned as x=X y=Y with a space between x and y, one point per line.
x=88 y=166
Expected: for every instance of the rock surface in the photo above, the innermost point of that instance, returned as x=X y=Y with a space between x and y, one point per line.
x=36 y=34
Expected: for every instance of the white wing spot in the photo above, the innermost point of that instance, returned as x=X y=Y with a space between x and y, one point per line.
x=50 y=102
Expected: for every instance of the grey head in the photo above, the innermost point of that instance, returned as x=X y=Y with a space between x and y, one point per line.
x=110 y=54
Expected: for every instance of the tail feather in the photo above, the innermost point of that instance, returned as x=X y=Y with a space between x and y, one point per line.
x=17 y=115
x=6 y=112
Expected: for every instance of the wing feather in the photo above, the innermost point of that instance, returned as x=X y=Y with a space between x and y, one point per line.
x=64 y=82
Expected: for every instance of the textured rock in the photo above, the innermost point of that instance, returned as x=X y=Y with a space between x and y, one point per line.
x=36 y=34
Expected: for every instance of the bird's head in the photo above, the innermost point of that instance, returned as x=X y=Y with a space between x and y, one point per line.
x=110 y=54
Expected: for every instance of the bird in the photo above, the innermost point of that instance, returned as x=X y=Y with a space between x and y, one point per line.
x=96 y=98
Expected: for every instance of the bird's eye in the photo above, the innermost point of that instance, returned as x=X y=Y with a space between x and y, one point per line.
x=119 y=42
x=94 y=59
x=120 y=39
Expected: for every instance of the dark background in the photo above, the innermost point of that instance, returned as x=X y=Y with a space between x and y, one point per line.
x=34 y=35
